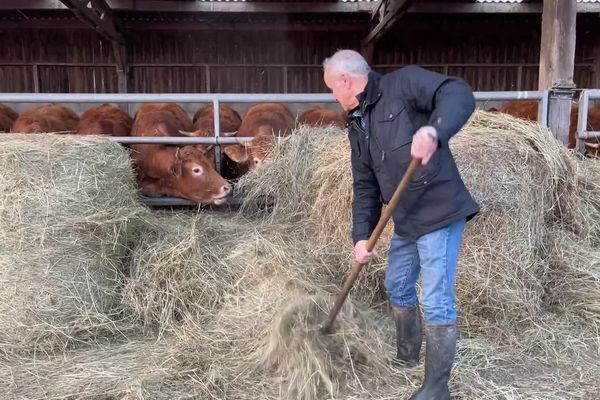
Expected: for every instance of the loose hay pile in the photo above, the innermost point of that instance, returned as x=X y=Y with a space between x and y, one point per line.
x=237 y=299
x=68 y=211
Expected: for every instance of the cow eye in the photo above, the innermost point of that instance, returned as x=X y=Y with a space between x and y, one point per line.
x=197 y=170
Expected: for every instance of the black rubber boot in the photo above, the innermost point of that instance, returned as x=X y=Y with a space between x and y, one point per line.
x=409 y=335
x=440 y=348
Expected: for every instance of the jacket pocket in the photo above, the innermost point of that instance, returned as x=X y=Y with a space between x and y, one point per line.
x=400 y=158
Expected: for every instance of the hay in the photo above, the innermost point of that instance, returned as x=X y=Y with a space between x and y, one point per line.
x=179 y=269
x=69 y=211
x=527 y=184
x=124 y=371
x=237 y=299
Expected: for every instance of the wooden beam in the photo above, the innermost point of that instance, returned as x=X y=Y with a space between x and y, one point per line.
x=245 y=7
x=440 y=7
x=557 y=55
x=98 y=15
x=36 y=78
x=557 y=63
x=196 y=26
x=596 y=61
x=120 y=53
x=204 y=6
x=486 y=8
x=385 y=16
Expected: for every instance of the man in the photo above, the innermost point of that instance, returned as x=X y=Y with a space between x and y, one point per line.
x=409 y=113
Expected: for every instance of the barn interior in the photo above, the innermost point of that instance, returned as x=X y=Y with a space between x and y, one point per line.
x=103 y=295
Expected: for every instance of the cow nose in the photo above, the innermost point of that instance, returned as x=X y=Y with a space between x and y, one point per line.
x=225 y=189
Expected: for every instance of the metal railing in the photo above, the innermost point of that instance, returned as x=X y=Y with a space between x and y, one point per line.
x=584 y=105
x=218 y=98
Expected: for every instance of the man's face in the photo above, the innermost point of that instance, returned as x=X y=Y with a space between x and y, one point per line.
x=341 y=87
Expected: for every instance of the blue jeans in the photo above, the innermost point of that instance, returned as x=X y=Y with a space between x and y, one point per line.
x=434 y=256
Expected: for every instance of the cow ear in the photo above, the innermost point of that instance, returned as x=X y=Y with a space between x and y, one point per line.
x=177 y=168
x=237 y=153
x=163 y=129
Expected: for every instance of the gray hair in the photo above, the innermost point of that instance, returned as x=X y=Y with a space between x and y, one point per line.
x=347 y=61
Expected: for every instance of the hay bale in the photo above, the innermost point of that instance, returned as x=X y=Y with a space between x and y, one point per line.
x=520 y=175
x=69 y=211
x=128 y=371
x=179 y=269
x=527 y=185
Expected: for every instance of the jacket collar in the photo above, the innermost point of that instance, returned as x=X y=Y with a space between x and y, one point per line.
x=372 y=91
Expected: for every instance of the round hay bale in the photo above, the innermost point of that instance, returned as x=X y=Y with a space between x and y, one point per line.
x=521 y=176
x=69 y=211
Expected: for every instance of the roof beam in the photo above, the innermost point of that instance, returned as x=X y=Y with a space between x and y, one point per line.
x=98 y=15
x=203 y=6
x=295 y=6
x=385 y=16
x=485 y=8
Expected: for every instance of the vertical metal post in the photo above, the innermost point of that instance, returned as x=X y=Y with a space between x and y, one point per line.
x=584 y=103
x=543 y=110
x=218 y=150
x=519 y=77
x=285 y=79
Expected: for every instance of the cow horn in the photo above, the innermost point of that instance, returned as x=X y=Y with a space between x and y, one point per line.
x=186 y=133
x=593 y=145
x=229 y=134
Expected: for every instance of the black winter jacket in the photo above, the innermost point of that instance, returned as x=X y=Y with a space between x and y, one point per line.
x=391 y=109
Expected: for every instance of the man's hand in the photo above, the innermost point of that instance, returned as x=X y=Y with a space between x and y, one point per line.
x=361 y=254
x=425 y=143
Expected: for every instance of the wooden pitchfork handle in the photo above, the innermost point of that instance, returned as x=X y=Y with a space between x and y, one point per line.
x=356 y=266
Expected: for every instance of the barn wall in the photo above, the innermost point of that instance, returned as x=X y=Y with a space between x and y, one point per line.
x=251 y=61
x=492 y=52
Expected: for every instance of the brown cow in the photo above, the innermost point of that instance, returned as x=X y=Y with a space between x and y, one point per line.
x=46 y=119
x=528 y=109
x=172 y=108
x=167 y=170
x=229 y=123
x=592 y=146
x=204 y=123
x=318 y=116
x=105 y=120
x=7 y=117
x=263 y=122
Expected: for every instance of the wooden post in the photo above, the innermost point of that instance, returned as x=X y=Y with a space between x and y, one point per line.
x=557 y=62
x=596 y=80
x=36 y=78
x=120 y=52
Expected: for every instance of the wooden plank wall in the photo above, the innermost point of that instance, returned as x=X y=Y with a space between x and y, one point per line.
x=490 y=52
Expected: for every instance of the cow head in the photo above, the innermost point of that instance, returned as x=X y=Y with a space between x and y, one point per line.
x=592 y=149
x=207 y=149
x=192 y=176
x=250 y=155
